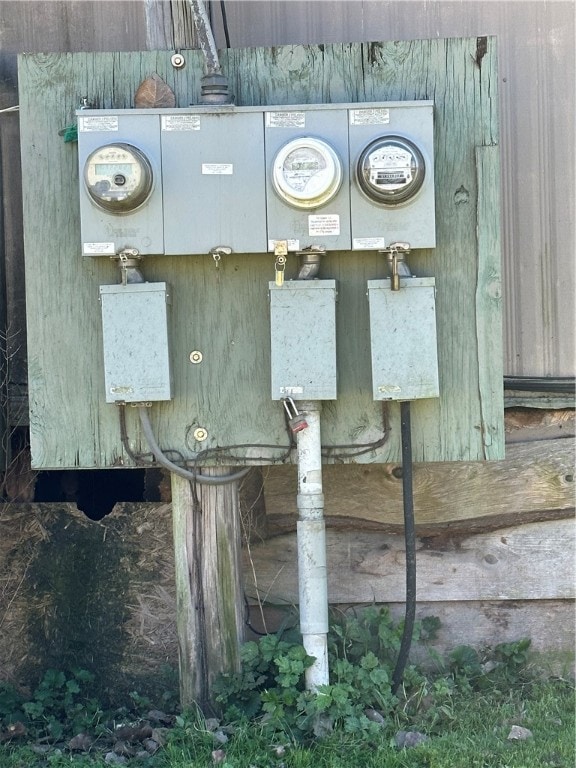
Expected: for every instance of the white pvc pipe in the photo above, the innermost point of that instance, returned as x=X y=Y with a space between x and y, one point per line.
x=312 y=572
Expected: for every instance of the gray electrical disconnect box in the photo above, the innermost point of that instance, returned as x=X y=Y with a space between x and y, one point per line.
x=403 y=339
x=303 y=339
x=135 y=337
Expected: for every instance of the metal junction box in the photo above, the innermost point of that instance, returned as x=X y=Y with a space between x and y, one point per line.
x=298 y=141
x=303 y=339
x=403 y=339
x=135 y=336
x=398 y=140
x=186 y=181
x=106 y=144
x=214 y=182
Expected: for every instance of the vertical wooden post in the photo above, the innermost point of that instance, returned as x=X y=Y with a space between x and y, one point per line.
x=209 y=596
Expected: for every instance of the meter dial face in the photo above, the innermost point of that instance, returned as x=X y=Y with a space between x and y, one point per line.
x=118 y=177
x=391 y=170
x=307 y=173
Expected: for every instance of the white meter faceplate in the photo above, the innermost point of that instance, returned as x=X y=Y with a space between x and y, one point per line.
x=391 y=170
x=118 y=177
x=307 y=173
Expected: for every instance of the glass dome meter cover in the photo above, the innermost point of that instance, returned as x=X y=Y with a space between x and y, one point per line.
x=307 y=173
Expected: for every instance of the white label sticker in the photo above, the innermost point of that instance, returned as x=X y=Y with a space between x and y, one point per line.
x=324 y=224
x=285 y=119
x=217 y=169
x=293 y=245
x=98 y=123
x=368 y=243
x=291 y=390
x=376 y=116
x=98 y=249
x=180 y=122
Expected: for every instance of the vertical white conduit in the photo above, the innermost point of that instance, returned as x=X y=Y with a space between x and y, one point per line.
x=312 y=573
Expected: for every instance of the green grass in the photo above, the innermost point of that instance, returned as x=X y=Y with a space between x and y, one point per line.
x=470 y=732
x=465 y=729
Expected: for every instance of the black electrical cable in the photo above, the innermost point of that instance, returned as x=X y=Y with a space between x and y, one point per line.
x=410 y=545
x=559 y=384
x=225 y=23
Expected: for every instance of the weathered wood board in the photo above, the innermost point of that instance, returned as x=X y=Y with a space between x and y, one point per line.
x=225 y=311
x=528 y=562
x=534 y=482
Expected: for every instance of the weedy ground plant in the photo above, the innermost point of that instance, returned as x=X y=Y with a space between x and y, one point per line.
x=489 y=709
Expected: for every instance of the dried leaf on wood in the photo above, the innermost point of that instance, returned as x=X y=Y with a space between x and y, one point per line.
x=154 y=92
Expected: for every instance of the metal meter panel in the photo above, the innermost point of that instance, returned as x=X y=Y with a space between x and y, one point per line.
x=120 y=182
x=303 y=339
x=214 y=181
x=392 y=167
x=135 y=336
x=307 y=176
x=403 y=339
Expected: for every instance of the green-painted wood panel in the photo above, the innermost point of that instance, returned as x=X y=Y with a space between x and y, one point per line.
x=224 y=312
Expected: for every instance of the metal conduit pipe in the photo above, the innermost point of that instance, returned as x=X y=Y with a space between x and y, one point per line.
x=162 y=459
x=214 y=86
x=311 y=537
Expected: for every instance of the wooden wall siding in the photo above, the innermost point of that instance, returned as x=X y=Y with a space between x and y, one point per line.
x=528 y=562
x=71 y=426
x=534 y=483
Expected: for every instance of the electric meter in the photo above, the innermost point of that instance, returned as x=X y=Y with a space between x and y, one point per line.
x=307 y=173
x=391 y=170
x=118 y=177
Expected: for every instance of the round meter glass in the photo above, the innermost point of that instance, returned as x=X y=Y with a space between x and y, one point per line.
x=118 y=177
x=307 y=173
x=391 y=170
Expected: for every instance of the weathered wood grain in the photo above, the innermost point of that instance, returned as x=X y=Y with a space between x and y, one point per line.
x=224 y=312
x=535 y=482
x=529 y=562
x=209 y=597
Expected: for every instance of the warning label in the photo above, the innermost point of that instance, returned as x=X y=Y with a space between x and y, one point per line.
x=324 y=224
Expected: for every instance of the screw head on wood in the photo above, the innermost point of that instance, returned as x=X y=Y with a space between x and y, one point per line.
x=200 y=434
x=177 y=60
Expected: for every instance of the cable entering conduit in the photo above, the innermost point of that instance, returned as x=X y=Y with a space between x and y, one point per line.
x=162 y=459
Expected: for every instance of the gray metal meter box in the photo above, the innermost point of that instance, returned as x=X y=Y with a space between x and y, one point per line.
x=135 y=336
x=308 y=178
x=121 y=182
x=214 y=182
x=303 y=339
x=403 y=339
x=392 y=194
x=187 y=181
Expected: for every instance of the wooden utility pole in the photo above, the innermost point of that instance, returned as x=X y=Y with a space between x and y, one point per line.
x=209 y=598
